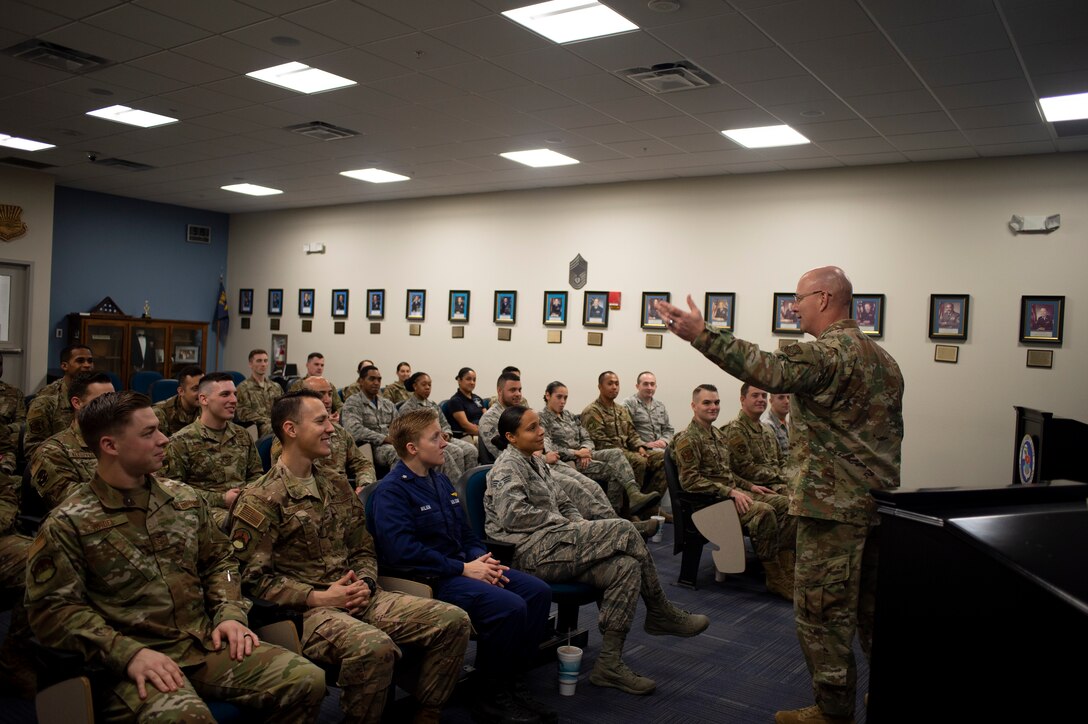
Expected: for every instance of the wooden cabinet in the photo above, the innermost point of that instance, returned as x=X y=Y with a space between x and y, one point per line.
x=127 y=345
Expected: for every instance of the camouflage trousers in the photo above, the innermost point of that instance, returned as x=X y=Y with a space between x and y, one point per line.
x=607 y=554
x=610 y=467
x=16 y=658
x=654 y=465
x=367 y=645
x=834 y=595
x=769 y=526
x=283 y=686
x=586 y=494
x=460 y=456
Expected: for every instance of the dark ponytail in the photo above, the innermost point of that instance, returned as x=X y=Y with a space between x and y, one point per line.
x=410 y=383
x=509 y=422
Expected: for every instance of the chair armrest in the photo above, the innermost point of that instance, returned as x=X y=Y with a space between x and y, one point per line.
x=406 y=585
x=264 y=613
x=407 y=573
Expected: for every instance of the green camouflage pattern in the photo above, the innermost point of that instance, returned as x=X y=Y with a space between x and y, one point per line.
x=395 y=392
x=344 y=463
x=62 y=465
x=368 y=422
x=610 y=427
x=197 y=457
x=461 y=455
x=754 y=453
x=12 y=418
x=49 y=413
x=353 y=389
x=173 y=417
x=651 y=421
x=255 y=401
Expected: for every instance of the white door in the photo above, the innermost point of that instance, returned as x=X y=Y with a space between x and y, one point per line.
x=13 y=313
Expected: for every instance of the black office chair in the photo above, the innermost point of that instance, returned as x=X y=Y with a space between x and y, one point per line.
x=484 y=456
x=686 y=538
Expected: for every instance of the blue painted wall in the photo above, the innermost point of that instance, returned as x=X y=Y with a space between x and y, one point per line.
x=132 y=250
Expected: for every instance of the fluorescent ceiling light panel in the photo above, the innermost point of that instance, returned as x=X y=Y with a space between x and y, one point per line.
x=23 y=144
x=301 y=78
x=766 y=136
x=251 y=189
x=131 y=116
x=374 y=175
x=1065 y=108
x=540 y=157
x=564 y=21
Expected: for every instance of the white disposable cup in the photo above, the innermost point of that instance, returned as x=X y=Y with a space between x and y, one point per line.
x=570 y=662
x=660 y=525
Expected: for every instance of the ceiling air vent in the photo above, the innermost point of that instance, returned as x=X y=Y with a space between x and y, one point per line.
x=56 y=56
x=25 y=163
x=322 y=131
x=670 y=77
x=122 y=163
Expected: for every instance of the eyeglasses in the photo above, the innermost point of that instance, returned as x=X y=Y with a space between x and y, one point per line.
x=799 y=297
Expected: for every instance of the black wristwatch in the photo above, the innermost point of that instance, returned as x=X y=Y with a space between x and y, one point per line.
x=371 y=584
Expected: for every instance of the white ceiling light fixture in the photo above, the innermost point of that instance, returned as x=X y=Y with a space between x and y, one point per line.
x=540 y=158
x=1065 y=108
x=131 y=116
x=565 y=21
x=375 y=175
x=23 y=144
x=251 y=189
x=766 y=137
x=301 y=78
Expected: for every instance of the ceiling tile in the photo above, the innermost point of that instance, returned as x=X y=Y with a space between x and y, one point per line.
x=1060 y=84
x=835 y=130
x=418 y=52
x=715 y=35
x=594 y=88
x=359 y=66
x=263 y=36
x=745 y=118
x=674 y=126
x=1010 y=114
x=479 y=76
x=417 y=88
x=638 y=13
x=918 y=141
x=635 y=109
x=894 y=13
x=829 y=110
x=219 y=16
x=1055 y=57
x=1008 y=134
x=777 y=91
x=702 y=142
x=955 y=36
x=793 y=22
x=990 y=93
x=1016 y=149
x=489 y=36
x=572 y=117
x=132 y=77
x=200 y=101
x=98 y=42
x=248 y=89
x=865 y=81
x=873 y=159
x=854 y=146
x=913 y=123
x=181 y=67
x=230 y=54
x=629 y=50
x=970 y=68
x=529 y=98
x=426 y=15
x=1078 y=143
x=751 y=65
x=74 y=9
x=801 y=164
x=864 y=50
x=1039 y=23
x=706 y=100
x=280 y=7
x=133 y=21
x=546 y=64
x=943 y=154
x=32 y=21
x=612 y=133
x=891 y=104
x=348 y=22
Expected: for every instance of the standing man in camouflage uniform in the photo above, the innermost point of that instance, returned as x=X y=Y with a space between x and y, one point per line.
x=303 y=541
x=703 y=462
x=777 y=416
x=213 y=454
x=131 y=573
x=51 y=411
x=63 y=464
x=397 y=392
x=649 y=416
x=256 y=395
x=12 y=417
x=753 y=448
x=847 y=419
x=367 y=416
x=183 y=408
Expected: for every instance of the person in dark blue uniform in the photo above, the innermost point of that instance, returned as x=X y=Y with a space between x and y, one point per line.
x=419 y=523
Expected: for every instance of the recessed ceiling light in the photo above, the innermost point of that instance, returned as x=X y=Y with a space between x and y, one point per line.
x=564 y=21
x=374 y=175
x=251 y=189
x=131 y=116
x=766 y=136
x=1065 y=108
x=540 y=157
x=23 y=144
x=301 y=78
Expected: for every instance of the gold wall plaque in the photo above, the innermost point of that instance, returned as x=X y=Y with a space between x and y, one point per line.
x=653 y=341
x=12 y=225
x=555 y=336
x=338 y=327
x=458 y=332
x=414 y=330
x=307 y=325
x=595 y=339
x=1043 y=358
x=375 y=327
x=504 y=334
x=274 y=324
x=946 y=353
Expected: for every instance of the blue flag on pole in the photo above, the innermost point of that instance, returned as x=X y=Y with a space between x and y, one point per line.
x=222 y=314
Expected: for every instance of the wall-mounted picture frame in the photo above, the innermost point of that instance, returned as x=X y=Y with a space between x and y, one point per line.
x=555 y=309
x=595 y=309
x=340 y=303
x=650 y=318
x=186 y=354
x=415 y=304
x=460 y=302
x=279 y=353
x=1042 y=319
x=784 y=314
x=948 y=314
x=245 y=301
x=305 y=302
x=275 y=302
x=375 y=304
x=868 y=311
x=719 y=308
x=506 y=306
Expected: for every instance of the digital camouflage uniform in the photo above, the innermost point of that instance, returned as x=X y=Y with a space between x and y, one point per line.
x=172 y=416
x=292 y=543
x=610 y=427
x=754 y=453
x=346 y=460
x=12 y=417
x=461 y=455
x=368 y=422
x=846 y=417
x=395 y=392
x=651 y=421
x=781 y=430
x=62 y=465
x=255 y=404
x=702 y=461
x=49 y=413
x=113 y=572
x=295 y=386
x=609 y=467
x=213 y=463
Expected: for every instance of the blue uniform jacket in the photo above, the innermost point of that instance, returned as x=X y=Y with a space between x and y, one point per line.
x=418 y=522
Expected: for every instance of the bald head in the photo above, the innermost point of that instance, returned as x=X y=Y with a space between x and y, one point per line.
x=321 y=386
x=823 y=298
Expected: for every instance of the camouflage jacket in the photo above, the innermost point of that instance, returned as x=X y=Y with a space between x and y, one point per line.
x=395 y=392
x=753 y=451
x=49 y=413
x=195 y=456
x=346 y=459
x=62 y=465
x=172 y=417
x=12 y=416
x=610 y=426
x=291 y=542
x=368 y=421
x=107 y=579
x=651 y=421
x=566 y=433
x=353 y=389
x=10 y=488
x=846 y=414
x=522 y=504
x=414 y=403
x=702 y=460
x=255 y=404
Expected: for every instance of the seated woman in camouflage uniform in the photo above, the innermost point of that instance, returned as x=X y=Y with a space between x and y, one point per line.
x=461 y=455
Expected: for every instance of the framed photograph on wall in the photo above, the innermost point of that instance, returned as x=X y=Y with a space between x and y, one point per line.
x=948 y=316
x=245 y=301
x=1042 y=319
x=595 y=309
x=784 y=314
x=868 y=311
x=415 y=304
x=340 y=303
x=650 y=318
x=459 y=305
x=506 y=307
x=279 y=353
x=719 y=309
x=275 y=302
x=555 y=309
x=305 y=302
x=375 y=304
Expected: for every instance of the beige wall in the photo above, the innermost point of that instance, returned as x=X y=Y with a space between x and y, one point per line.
x=34 y=192
x=904 y=231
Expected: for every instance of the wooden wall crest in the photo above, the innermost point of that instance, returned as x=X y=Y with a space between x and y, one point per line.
x=12 y=225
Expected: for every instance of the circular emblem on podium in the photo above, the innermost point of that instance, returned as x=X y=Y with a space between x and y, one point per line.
x=1027 y=460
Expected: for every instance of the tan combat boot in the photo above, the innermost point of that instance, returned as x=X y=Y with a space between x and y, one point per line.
x=776 y=580
x=810 y=715
x=646 y=528
x=668 y=620
x=636 y=499
x=612 y=672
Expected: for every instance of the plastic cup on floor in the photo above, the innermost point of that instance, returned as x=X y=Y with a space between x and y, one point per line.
x=570 y=661
x=656 y=538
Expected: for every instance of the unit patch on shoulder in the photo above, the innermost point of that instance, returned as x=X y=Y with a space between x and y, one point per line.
x=249 y=515
x=240 y=540
x=43 y=569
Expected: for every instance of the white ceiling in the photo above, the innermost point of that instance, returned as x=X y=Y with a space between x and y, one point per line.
x=444 y=86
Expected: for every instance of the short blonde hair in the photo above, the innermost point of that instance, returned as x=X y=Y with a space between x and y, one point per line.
x=409 y=427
